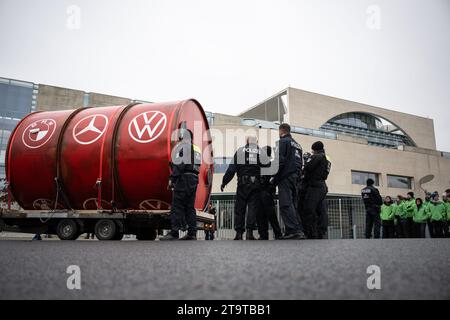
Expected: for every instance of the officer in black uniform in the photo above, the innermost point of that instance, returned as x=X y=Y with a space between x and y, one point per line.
x=289 y=160
x=302 y=188
x=268 y=213
x=372 y=201
x=186 y=161
x=246 y=164
x=316 y=171
x=323 y=220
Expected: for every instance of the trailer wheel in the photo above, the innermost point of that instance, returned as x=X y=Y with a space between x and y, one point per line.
x=119 y=235
x=119 y=232
x=67 y=229
x=147 y=234
x=106 y=229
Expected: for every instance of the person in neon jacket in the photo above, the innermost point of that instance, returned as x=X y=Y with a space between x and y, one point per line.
x=420 y=218
x=387 y=218
x=447 y=205
x=402 y=216
x=410 y=207
x=426 y=203
x=395 y=210
x=438 y=212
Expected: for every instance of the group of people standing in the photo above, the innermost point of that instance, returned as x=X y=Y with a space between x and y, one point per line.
x=302 y=189
x=406 y=217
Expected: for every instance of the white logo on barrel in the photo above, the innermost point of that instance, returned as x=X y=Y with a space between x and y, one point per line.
x=38 y=133
x=147 y=126
x=90 y=128
x=154 y=204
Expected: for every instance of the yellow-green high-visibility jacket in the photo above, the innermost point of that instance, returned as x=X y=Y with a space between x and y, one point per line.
x=447 y=205
x=421 y=215
x=387 y=212
x=401 y=210
x=437 y=211
x=410 y=207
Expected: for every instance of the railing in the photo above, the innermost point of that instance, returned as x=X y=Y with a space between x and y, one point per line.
x=346 y=218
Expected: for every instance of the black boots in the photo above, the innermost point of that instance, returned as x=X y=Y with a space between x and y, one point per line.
x=249 y=235
x=168 y=237
x=238 y=236
x=189 y=237
x=294 y=236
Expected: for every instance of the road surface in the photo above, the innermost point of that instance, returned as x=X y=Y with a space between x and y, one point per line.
x=335 y=269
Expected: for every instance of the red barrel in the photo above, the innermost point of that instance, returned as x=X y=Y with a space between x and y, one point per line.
x=109 y=157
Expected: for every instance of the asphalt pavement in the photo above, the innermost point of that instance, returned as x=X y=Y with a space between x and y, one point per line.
x=322 y=269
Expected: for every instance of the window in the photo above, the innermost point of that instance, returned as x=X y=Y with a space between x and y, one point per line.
x=15 y=99
x=377 y=131
x=2 y=157
x=399 y=182
x=360 y=177
x=209 y=117
x=221 y=164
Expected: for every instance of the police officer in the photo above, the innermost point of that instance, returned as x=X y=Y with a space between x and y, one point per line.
x=301 y=187
x=322 y=220
x=267 y=214
x=372 y=201
x=186 y=161
x=316 y=170
x=246 y=164
x=289 y=160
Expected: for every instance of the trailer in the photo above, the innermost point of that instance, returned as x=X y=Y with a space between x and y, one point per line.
x=102 y=170
x=105 y=224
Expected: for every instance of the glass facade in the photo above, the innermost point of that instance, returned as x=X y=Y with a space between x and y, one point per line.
x=360 y=177
x=359 y=120
x=369 y=127
x=399 y=182
x=209 y=117
x=17 y=99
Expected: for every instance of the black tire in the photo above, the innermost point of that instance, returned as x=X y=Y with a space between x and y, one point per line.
x=146 y=234
x=106 y=229
x=67 y=229
x=119 y=235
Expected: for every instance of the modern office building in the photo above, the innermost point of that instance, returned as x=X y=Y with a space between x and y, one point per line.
x=395 y=149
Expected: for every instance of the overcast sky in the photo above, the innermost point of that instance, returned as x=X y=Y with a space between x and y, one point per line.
x=232 y=54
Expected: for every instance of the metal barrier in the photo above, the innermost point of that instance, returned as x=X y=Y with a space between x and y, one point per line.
x=346 y=218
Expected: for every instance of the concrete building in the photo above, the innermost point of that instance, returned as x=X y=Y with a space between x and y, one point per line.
x=19 y=98
x=395 y=149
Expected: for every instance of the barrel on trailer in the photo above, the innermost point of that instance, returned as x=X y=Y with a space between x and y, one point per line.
x=107 y=157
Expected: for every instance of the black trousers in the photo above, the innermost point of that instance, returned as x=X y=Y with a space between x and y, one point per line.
x=323 y=220
x=301 y=202
x=287 y=197
x=447 y=228
x=430 y=228
x=410 y=226
x=268 y=213
x=403 y=228
x=183 y=201
x=246 y=195
x=373 y=222
x=209 y=235
x=388 y=229
x=419 y=230
x=438 y=229
x=313 y=209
